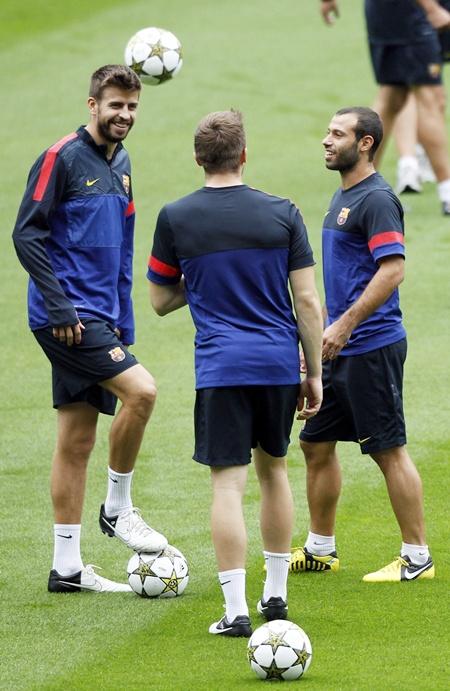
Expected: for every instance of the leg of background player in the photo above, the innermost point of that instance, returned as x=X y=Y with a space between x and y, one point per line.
x=405 y=136
x=388 y=104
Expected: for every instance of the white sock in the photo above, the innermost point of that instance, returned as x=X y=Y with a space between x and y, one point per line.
x=233 y=588
x=444 y=190
x=277 y=565
x=66 y=555
x=320 y=544
x=405 y=162
x=119 y=492
x=419 y=554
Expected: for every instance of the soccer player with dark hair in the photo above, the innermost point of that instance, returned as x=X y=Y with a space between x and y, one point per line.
x=364 y=349
x=406 y=57
x=74 y=236
x=230 y=251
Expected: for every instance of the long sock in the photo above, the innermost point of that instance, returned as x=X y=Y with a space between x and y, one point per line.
x=233 y=588
x=418 y=554
x=66 y=555
x=118 y=497
x=277 y=567
x=444 y=190
x=320 y=544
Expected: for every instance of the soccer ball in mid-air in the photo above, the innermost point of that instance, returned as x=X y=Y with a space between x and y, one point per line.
x=279 y=650
x=154 y=54
x=159 y=574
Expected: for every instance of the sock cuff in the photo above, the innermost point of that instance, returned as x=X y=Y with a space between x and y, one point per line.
x=232 y=572
x=115 y=473
x=67 y=526
x=277 y=555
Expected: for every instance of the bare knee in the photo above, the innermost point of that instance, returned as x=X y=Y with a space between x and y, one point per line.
x=318 y=453
x=76 y=448
x=142 y=399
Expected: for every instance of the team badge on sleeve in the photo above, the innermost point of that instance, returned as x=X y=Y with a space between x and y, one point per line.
x=126 y=183
x=343 y=215
x=116 y=354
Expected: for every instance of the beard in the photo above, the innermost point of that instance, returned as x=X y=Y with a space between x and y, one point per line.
x=344 y=160
x=104 y=129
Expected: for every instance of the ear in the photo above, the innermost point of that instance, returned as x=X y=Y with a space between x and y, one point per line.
x=243 y=157
x=197 y=160
x=366 y=142
x=92 y=105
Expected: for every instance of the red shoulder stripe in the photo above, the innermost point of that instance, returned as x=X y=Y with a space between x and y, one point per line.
x=387 y=238
x=163 y=268
x=130 y=210
x=47 y=166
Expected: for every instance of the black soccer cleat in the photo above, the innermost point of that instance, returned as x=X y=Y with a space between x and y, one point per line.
x=86 y=579
x=239 y=627
x=274 y=608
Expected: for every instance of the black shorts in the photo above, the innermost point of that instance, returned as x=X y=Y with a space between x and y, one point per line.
x=444 y=40
x=362 y=400
x=416 y=64
x=230 y=421
x=78 y=369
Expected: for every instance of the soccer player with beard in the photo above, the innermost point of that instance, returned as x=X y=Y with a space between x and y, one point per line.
x=74 y=236
x=364 y=349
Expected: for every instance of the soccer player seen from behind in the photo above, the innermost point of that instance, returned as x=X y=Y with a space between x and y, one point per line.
x=229 y=252
x=364 y=349
x=74 y=236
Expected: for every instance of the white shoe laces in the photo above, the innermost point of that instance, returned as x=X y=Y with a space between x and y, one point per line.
x=137 y=523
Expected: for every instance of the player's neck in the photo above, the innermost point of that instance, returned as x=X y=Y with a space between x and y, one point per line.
x=360 y=172
x=223 y=179
x=101 y=141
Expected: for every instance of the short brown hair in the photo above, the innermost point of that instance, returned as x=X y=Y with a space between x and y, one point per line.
x=113 y=75
x=368 y=122
x=219 y=141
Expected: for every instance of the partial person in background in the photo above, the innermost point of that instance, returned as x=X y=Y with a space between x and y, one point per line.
x=74 y=236
x=406 y=56
x=230 y=251
x=364 y=350
x=413 y=167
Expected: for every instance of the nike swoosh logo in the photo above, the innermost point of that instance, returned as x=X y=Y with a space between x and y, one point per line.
x=225 y=582
x=409 y=575
x=361 y=441
x=95 y=586
x=66 y=537
x=89 y=183
x=112 y=480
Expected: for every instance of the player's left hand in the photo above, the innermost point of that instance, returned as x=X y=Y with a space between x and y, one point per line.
x=439 y=18
x=310 y=398
x=335 y=337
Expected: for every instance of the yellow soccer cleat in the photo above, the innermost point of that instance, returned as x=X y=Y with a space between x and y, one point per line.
x=302 y=560
x=401 y=569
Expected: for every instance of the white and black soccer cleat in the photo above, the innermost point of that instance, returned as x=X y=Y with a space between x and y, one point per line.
x=87 y=580
x=130 y=527
x=239 y=627
x=274 y=608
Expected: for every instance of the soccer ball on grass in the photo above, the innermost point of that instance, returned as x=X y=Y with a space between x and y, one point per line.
x=279 y=649
x=154 y=54
x=159 y=574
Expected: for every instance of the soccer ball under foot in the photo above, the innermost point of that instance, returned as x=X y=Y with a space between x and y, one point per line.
x=160 y=574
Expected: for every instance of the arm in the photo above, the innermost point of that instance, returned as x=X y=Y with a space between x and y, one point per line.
x=388 y=277
x=438 y=17
x=329 y=10
x=125 y=323
x=310 y=327
x=167 y=298
x=44 y=190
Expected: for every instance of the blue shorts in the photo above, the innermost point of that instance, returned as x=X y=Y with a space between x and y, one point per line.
x=230 y=421
x=444 y=40
x=78 y=369
x=362 y=400
x=415 y=64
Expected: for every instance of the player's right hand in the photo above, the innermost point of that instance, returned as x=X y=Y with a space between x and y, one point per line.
x=69 y=334
x=329 y=10
x=310 y=398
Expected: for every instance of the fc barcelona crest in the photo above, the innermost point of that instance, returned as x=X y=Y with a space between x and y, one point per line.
x=343 y=215
x=126 y=183
x=116 y=354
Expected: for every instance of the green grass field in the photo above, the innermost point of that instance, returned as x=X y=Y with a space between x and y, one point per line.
x=288 y=73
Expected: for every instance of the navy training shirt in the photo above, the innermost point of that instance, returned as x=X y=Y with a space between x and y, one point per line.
x=235 y=247
x=396 y=22
x=363 y=225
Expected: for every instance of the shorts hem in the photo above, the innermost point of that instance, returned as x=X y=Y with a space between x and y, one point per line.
x=221 y=463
